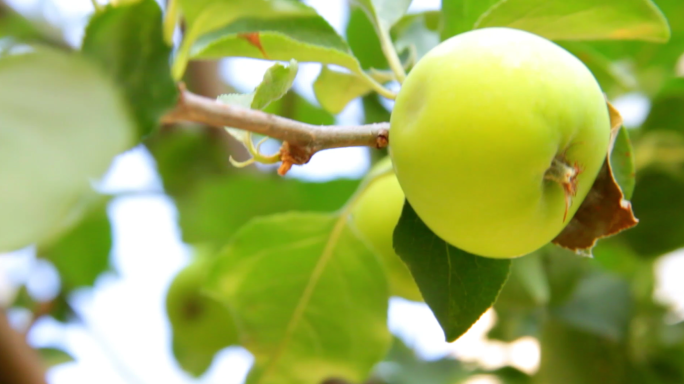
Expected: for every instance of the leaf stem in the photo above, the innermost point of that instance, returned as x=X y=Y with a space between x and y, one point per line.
x=170 y=20
x=390 y=52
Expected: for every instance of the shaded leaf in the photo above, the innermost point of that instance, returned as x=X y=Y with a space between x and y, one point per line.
x=564 y=270
x=402 y=366
x=127 y=41
x=658 y=202
x=81 y=254
x=201 y=325
x=614 y=78
x=295 y=107
x=580 y=19
x=457 y=286
x=417 y=31
x=571 y=356
x=311 y=301
x=48 y=155
x=527 y=286
x=606 y=314
x=363 y=40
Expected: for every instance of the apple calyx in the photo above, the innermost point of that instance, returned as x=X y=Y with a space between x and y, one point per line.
x=566 y=176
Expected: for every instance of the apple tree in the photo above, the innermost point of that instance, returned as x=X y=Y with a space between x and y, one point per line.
x=503 y=177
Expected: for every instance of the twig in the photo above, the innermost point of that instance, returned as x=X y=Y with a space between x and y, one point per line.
x=19 y=363
x=300 y=140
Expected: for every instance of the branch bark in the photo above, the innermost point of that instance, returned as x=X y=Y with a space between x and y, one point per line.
x=19 y=363
x=300 y=140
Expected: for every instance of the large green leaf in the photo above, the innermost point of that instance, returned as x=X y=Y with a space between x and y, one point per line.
x=201 y=325
x=456 y=285
x=308 y=296
x=460 y=16
x=363 y=40
x=127 y=41
x=303 y=38
x=203 y=16
x=81 y=254
x=580 y=19
x=61 y=123
x=418 y=31
x=219 y=206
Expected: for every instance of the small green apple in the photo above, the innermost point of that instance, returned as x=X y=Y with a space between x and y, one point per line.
x=201 y=325
x=497 y=136
x=375 y=215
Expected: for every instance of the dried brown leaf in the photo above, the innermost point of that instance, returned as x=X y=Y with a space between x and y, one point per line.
x=604 y=212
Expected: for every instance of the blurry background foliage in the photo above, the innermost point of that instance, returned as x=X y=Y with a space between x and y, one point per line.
x=596 y=319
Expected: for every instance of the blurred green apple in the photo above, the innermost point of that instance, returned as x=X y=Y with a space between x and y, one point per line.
x=201 y=325
x=496 y=137
x=375 y=215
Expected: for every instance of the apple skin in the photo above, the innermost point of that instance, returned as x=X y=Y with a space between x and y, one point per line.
x=475 y=127
x=375 y=215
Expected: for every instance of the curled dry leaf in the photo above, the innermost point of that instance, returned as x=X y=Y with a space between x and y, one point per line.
x=604 y=212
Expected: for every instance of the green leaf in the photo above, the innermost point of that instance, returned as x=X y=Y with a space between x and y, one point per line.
x=580 y=19
x=53 y=356
x=276 y=82
x=218 y=207
x=614 y=79
x=364 y=41
x=298 y=108
x=457 y=286
x=418 y=31
x=667 y=108
x=203 y=16
x=622 y=163
x=334 y=90
x=384 y=12
x=460 y=16
x=82 y=253
x=201 y=325
x=61 y=123
x=127 y=41
x=571 y=356
x=658 y=204
x=607 y=314
x=308 y=296
x=304 y=38
x=527 y=285
x=564 y=270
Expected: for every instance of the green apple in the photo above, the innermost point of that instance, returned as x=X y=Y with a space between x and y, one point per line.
x=496 y=137
x=201 y=325
x=375 y=215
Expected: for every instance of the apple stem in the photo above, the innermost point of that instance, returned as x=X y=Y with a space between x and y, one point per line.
x=566 y=176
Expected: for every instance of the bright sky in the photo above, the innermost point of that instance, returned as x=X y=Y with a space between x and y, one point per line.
x=126 y=338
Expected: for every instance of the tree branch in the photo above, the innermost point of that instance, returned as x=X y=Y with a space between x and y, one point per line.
x=19 y=363
x=300 y=140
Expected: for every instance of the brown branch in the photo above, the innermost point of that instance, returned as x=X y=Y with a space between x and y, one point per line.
x=19 y=364
x=300 y=140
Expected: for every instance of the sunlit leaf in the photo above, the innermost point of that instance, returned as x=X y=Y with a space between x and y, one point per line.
x=334 y=90
x=580 y=19
x=311 y=302
x=460 y=16
x=61 y=123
